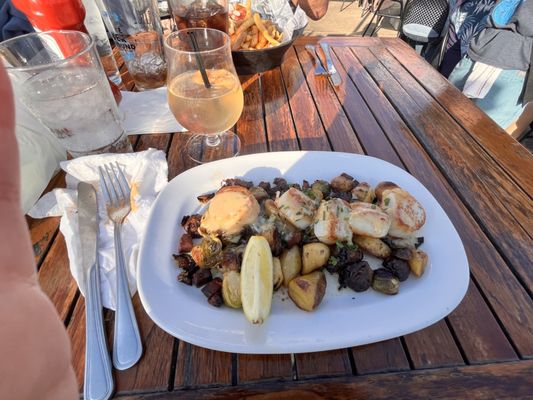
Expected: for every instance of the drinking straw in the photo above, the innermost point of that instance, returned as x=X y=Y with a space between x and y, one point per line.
x=199 y=60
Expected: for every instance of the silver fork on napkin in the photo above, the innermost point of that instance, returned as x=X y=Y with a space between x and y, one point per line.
x=127 y=346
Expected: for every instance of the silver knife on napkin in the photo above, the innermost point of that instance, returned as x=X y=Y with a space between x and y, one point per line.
x=98 y=382
x=333 y=74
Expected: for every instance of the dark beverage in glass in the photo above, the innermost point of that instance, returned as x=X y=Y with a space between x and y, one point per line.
x=200 y=14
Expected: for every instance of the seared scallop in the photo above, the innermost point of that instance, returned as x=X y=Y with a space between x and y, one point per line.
x=407 y=214
x=232 y=208
x=331 y=222
x=296 y=207
x=369 y=220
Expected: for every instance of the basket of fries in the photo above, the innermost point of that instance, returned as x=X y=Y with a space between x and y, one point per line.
x=261 y=33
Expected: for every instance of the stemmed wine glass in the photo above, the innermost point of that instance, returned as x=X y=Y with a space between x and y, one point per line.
x=204 y=91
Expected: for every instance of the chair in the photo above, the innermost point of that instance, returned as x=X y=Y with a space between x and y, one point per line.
x=391 y=9
x=424 y=22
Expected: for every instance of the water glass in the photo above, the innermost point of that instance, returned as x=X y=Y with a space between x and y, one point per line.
x=59 y=77
x=136 y=29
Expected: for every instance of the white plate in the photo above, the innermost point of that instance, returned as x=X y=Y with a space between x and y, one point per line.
x=344 y=318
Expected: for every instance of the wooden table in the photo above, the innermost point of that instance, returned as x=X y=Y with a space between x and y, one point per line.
x=394 y=106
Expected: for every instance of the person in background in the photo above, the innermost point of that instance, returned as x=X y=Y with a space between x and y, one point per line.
x=467 y=19
x=35 y=359
x=315 y=9
x=494 y=71
x=12 y=22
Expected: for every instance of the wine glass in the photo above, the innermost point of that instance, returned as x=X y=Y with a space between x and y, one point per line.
x=204 y=91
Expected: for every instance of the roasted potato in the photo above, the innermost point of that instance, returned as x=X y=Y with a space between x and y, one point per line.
x=231 y=289
x=291 y=264
x=418 y=262
x=307 y=291
x=278 y=274
x=315 y=255
x=373 y=246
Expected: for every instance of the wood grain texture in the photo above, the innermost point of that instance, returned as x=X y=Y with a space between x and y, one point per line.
x=498 y=203
x=279 y=125
x=255 y=367
x=323 y=363
x=339 y=131
x=55 y=278
x=197 y=366
x=76 y=333
x=251 y=124
x=504 y=292
x=495 y=381
x=386 y=356
x=510 y=154
x=309 y=128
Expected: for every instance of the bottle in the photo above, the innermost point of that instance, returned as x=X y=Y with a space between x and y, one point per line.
x=94 y=24
x=47 y=15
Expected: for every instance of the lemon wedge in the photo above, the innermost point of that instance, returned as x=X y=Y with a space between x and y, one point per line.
x=256 y=280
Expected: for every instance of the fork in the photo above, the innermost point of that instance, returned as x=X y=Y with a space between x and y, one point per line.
x=319 y=69
x=127 y=347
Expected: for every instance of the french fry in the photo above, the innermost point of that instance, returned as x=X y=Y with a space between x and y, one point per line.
x=262 y=41
x=231 y=30
x=248 y=7
x=239 y=39
x=261 y=27
x=245 y=25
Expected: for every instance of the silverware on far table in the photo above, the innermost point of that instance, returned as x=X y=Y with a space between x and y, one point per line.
x=333 y=74
x=98 y=379
x=127 y=346
x=319 y=69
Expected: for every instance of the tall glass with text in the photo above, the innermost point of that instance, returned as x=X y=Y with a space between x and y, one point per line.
x=209 y=104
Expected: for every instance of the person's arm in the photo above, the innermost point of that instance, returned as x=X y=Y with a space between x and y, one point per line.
x=34 y=346
x=315 y=9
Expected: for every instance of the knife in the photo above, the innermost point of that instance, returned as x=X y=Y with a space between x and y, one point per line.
x=98 y=379
x=333 y=74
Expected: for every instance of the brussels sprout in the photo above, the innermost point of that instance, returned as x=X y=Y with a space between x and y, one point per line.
x=208 y=253
x=259 y=193
x=343 y=183
x=399 y=268
x=321 y=186
x=385 y=282
x=357 y=277
x=363 y=192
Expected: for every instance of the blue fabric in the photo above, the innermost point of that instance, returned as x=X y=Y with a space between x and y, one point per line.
x=12 y=22
x=467 y=19
x=503 y=102
x=504 y=10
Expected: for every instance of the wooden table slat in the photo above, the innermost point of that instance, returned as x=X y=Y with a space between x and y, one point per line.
x=481 y=382
x=310 y=130
x=510 y=154
x=480 y=183
x=197 y=366
x=255 y=367
x=386 y=356
x=505 y=294
x=338 y=128
x=279 y=125
x=323 y=363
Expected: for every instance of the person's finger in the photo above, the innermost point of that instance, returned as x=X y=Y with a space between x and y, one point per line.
x=9 y=158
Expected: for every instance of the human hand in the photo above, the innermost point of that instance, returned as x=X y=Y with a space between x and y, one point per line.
x=34 y=346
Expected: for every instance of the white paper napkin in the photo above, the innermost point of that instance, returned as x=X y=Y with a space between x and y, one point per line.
x=148 y=112
x=147 y=173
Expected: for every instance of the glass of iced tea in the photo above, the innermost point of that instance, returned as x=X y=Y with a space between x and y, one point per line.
x=204 y=91
x=200 y=14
